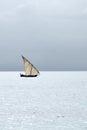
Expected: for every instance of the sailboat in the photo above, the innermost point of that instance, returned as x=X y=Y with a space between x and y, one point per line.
x=30 y=69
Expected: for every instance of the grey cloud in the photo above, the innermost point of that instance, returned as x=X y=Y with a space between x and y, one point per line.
x=52 y=34
x=43 y=8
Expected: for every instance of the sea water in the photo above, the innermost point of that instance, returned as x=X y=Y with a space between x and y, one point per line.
x=51 y=101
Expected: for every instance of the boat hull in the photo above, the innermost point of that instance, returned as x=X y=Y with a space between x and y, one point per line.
x=22 y=75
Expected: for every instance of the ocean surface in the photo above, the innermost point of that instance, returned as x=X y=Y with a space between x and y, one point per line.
x=51 y=101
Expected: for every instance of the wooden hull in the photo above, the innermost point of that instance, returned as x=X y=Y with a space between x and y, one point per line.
x=22 y=75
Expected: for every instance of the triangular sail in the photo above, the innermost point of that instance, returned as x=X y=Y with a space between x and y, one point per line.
x=29 y=68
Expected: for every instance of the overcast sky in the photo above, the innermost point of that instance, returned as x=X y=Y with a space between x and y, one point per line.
x=52 y=34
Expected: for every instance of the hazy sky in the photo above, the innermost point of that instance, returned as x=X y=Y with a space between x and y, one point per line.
x=52 y=34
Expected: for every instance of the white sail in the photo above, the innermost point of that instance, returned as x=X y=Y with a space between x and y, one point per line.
x=29 y=68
